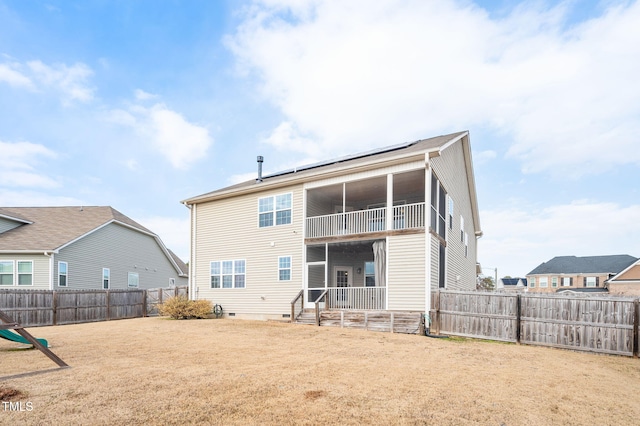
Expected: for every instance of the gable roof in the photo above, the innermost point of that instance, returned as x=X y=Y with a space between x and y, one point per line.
x=585 y=265
x=52 y=228
x=362 y=161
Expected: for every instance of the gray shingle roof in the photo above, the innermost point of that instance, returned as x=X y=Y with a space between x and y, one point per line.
x=53 y=227
x=585 y=265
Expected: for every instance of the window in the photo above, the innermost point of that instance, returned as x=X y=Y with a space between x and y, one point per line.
x=544 y=282
x=62 y=274
x=6 y=272
x=25 y=272
x=172 y=282
x=461 y=229
x=450 y=213
x=532 y=282
x=106 y=278
x=133 y=280
x=274 y=210
x=438 y=207
x=228 y=274
x=567 y=281
x=591 y=281
x=554 y=282
x=284 y=268
x=466 y=244
x=369 y=274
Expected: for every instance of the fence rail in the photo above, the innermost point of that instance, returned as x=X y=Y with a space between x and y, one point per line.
x=32 y=308
x=596 y=324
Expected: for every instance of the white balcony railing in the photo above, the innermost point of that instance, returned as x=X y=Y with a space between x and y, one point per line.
x=406 y=216
x=356 y=298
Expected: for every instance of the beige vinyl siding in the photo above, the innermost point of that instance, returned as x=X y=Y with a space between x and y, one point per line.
x=406 y=272
x=120 y=249
x=6 y=224
x=40 y=270
x=450 y=169
x=228 y=230
x=435 y=267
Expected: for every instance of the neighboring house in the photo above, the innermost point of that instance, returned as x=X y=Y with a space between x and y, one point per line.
x=56 y=248
x=576 y=273
x=378 y=230
x=512 y=284
x=627 y=281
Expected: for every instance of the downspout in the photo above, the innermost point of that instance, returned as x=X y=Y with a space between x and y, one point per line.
x=192 y=250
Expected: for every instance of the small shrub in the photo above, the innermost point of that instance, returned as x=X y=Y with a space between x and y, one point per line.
x=180 y=307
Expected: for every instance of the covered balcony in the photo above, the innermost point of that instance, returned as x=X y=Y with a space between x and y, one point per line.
x=378 y=204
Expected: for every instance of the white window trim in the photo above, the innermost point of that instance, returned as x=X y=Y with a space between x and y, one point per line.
x=108 y=276
x=532 y=282
x=568 y=280
x=13 y=273
x=17 y=276
x=172 y=282
x=133 y=274
x=290 y=268
x=275 y=210
x=66 y=274
x=544 y=282
x=233 y=274
x=595 y=282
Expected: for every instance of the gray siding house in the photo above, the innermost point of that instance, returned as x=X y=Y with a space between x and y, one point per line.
x=372 y=231
x=55 y=248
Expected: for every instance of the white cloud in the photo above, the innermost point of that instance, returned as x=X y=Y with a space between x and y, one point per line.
x=179 y=141
x=484 y=156
x=13 y=77
x=70 y=81
x=517 y=239
x=141 y=95
x=19 y=165
x=351 y=75
x=28 y=198
x=286 y=137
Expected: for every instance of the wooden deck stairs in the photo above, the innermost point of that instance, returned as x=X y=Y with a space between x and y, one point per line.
x=386 y=321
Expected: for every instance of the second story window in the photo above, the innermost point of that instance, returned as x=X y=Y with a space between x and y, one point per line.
x=274 y=210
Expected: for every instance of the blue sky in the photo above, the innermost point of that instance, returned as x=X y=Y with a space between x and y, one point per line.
x=141 y=104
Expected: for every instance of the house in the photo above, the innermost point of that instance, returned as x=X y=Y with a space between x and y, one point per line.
x=627 y=281
x=54 y=248
x=582 y=274
x=512 y=284
x=375 y=231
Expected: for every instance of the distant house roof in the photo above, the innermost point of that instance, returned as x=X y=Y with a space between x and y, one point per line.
x=362 y=160
x=584 y=265
x=51 y=228
x=514 y=281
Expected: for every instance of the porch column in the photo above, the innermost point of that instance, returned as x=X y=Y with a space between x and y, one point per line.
x=389 y=202
x=427 y=241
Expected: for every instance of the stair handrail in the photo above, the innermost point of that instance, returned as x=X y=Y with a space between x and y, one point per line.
x=323 y=295
x=300 y=297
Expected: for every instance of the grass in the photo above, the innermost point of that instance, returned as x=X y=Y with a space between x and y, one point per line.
x=158 y=371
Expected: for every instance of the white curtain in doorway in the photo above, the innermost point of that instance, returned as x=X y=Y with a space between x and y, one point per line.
x=379 y=262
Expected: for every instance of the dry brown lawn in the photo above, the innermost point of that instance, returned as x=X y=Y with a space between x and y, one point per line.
x=161 y=371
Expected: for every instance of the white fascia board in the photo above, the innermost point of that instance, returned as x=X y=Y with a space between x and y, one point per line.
x=15 y=219
x=615 y=277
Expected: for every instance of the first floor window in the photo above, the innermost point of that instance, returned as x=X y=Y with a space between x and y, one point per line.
x=6 y=272
x=369 y=274
x=25 y=272
x=228 y=274
x=133 y=279
x=106 y=278
x=591 y=281
x=62 y=274
x=284 y=268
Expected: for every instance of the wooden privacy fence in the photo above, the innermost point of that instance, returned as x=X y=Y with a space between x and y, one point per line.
x=601 y=324
x=32 y=308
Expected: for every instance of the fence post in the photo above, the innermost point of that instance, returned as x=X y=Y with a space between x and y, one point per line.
x=636 y=325
x=518 y=315
x=108 y=305
x=55 y=308
x=144 y=303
